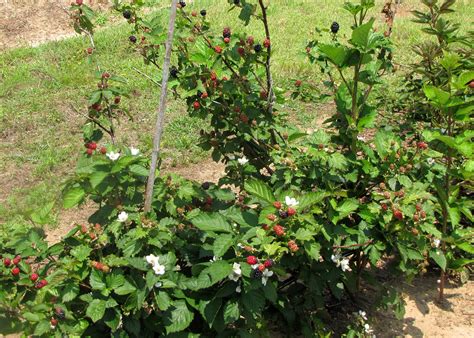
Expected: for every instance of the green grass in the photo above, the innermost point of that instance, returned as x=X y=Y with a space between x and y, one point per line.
x=42 y=87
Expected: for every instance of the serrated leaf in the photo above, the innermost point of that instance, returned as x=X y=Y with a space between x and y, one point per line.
x=222 y=244
x=73 y=197
x=96 y=310
x=260 y=189
x=179 y=317
x=211 y=222
x=231 y=312
x=439 y=258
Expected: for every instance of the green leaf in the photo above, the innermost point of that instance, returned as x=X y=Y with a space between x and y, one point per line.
x=97 y=178
x=303 y=234
x=231 y=312
x=70 y=292
x=73 y=197
x=97 y=280
x=436 y=95
x=179 y=317
x=260 y=189
x=222 y=244
x=337 y=54
x=218 y=271
x=81 y=252
x=211 y=222
x=312 y=250
x=360 y=35
x=439 y=258
x=254 y=301
x=163 y=300
x=310 y=199
x=96 y=310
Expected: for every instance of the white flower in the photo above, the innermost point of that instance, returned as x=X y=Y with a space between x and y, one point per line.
x=291 y=202
x=255 y=266
x=214 y=259
x=238 y=289
x=363 y=315
x=158 y=268
x=122 y=217
x=177 y=268
x=158 y=285
x=240 y=245
x=134 y=151
x=243 y=160
x=367 y=328
x=345 y=265
x=431 y=161
x=436 y=242
x=265 y=275
x=361 y=138
x=236 y=272
x=113 y=156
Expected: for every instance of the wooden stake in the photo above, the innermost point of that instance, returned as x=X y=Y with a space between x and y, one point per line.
x=161 y=110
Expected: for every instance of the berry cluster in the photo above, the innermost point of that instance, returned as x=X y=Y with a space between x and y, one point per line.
x=259 y=268
x=92 y=146
x=15 y=271
x=92 y=231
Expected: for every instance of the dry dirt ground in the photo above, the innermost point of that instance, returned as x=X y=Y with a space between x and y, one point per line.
x=28 y=22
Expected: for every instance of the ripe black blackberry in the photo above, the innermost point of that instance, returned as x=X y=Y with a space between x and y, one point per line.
x=127 y=14
x=257 y=48
x=182 y=4
x=236 y=2
x=133 y=39
x=335 y=27
x=206 y=185
x=174 y=72
x=203 y=12
x=256 y=274
x=226 y=33
x=283 y=214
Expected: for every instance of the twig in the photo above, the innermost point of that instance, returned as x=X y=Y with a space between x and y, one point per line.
x=91 y=119
x=161 y=109
x=352 y=245
x=270 y=93
x=147 y=76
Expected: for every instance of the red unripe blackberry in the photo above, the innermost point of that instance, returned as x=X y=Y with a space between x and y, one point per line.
x=89 y=151
x=271 y=217
x=227 y=40
x=277 y=205
x=213 y=76
x=386 y=195
x=34 y=277
x=16 y=260
x=265 y=227
x=471 y=84
x=42 y=283
x=384 y=206
x=267 y=43
x=204 y=95
x=279 y=230
x=244 y=118
x=218 y=49
x=92 y=146
x=194 y=13
x=79 y=2
x=103 y=150
x=252 y=260
x=423 y=214
x=291 y=212
x=422 y=145
x=15 y=271
x=261 y=267
x=89 y=50
x=250 y=40
x=298 y=83
x=398 y=214
x=241 y=51
x=418 y=207
x=196 y=105
x=416 y=218
x=105 y=75
x=117 y=100
x=54 y=322
x=268 y=263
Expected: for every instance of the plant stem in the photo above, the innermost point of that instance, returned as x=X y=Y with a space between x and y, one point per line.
x=161 y=109
x=270 y=93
